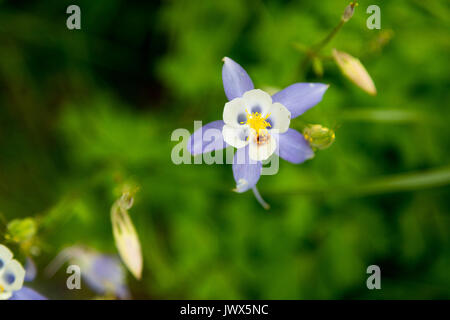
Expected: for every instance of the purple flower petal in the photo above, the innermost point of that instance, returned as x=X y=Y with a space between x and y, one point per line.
x=235 y=79
x=27 y=294
x=300 y=97
x=105 y=274
x=293 y=147
x=202 y=140
x=246 y=172
x=30 y=270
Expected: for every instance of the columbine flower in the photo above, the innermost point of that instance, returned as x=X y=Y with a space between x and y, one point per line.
x=12 y=276
x=103 y=273
x=27 y=293
x=257 y=124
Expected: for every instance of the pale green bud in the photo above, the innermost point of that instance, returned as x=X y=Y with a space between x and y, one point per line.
x=354 y=70
x=318 y=136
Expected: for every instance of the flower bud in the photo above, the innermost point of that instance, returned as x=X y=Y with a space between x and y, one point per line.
x=126 y=201
x=353 y=69
x=21 y=230
x=349 y=10
x=126 y=238
x=127 y=192
x=319 y=137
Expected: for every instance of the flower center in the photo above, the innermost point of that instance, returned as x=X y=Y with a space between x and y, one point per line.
x=257 y=122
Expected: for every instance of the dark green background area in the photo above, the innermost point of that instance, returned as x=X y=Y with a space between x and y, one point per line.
x=84 y=111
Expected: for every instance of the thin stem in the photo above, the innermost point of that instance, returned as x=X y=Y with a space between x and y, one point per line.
x=316 y=49
x=329 y=37
x=261 y=201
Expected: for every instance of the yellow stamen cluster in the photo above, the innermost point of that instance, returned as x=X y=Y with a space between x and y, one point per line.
x=257 y=122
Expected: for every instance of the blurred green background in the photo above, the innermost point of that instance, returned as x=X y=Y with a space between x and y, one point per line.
x=83 y=112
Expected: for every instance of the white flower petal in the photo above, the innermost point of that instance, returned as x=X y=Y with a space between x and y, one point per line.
x=262 y=150
x=5 y=256
x=236 y=137
x=257 y=100
x=241 y=186
x=280 y=117
x=234 y=112
x=12 y=276
x=5 y=295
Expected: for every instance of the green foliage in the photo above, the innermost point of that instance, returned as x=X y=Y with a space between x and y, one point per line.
x=84 y=113
x=21 y=230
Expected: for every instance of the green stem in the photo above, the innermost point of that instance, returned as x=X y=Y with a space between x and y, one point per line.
x=314 y=51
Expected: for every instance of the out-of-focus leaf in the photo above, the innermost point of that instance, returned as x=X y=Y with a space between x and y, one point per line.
x=393 y=115
x=407 y=182
x=20 y=230
x=396 y=183
x=353 y=69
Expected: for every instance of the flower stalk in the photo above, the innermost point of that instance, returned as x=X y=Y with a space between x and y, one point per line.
x=313 y=52
x=260 y=199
